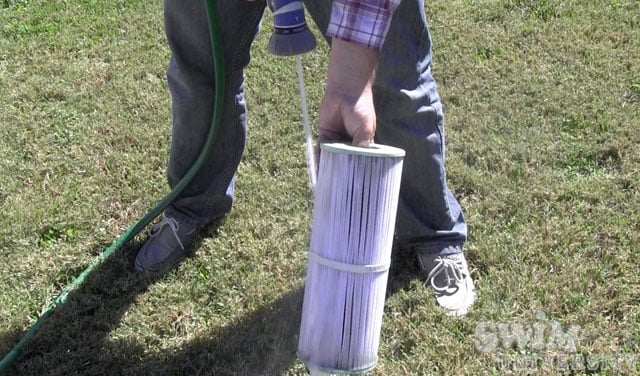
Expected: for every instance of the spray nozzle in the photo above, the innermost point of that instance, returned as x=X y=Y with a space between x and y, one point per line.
x=291 y=35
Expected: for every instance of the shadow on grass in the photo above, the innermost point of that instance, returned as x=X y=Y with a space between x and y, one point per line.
x=76 y=339
x=263 y=343
x=9 y=339
x=404 y=270
x=71 y=340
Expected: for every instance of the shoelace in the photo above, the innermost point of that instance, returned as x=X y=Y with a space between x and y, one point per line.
x=452 y=270
x=173 y=225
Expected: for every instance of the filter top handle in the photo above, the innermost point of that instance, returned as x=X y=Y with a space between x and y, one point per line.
x=373 y=150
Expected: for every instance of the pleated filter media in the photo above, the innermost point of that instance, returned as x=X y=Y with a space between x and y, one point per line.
x=355 y=205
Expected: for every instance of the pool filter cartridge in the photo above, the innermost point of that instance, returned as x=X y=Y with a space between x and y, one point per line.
x=355 y=205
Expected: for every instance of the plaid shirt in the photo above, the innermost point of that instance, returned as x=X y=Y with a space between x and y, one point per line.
x=364 y=22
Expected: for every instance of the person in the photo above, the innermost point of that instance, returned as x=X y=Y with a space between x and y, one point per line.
x=379 y=87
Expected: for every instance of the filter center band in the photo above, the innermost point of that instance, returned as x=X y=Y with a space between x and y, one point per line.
x=351 y=268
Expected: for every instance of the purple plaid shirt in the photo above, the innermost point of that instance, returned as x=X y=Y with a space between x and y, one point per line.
x=364 y=22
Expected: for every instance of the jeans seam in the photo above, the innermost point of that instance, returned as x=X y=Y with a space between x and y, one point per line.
x=243 y=40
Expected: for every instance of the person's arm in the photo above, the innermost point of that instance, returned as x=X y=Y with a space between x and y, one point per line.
x=358 y=29
x=347 y=112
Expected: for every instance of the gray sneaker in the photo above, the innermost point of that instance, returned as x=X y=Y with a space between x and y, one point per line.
x=451 y=281
x=166 y=246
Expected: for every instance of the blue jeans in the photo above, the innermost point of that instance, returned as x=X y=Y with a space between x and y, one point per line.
x=408 y=108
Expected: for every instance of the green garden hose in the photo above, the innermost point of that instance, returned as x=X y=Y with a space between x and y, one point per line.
x=218 y=64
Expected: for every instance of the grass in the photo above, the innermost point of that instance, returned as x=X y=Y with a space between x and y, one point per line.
x=542 y=102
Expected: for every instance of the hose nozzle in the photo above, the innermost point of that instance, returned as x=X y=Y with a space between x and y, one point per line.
x=291 y=35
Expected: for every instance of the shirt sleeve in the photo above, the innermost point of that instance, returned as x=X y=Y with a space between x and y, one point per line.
x=365 y=22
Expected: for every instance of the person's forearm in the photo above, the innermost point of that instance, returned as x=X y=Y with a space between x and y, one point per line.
x=358 y=29
x=351 y=68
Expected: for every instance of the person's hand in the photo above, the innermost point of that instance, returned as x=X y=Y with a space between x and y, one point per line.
x=347 y=113
x=347 y=118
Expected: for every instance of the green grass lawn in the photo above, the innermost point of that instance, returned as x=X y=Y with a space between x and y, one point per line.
x=542 y=101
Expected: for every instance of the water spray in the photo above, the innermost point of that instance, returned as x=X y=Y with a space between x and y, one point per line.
x=292 y=37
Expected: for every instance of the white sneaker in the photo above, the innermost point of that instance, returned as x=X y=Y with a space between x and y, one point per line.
x=451 y=281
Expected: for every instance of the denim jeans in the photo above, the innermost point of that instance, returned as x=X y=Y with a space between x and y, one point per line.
x=408 y=108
